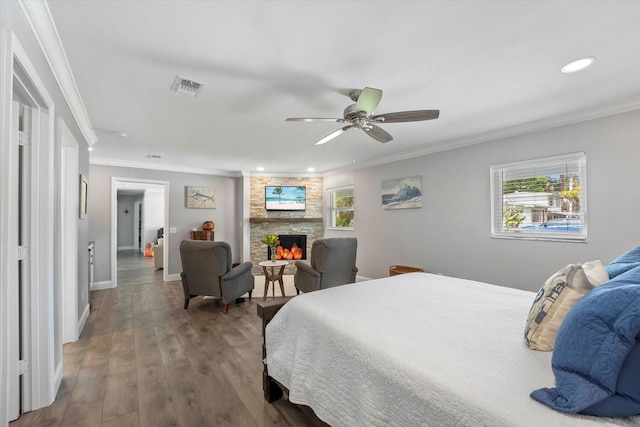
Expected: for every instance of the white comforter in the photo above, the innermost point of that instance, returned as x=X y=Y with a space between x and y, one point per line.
x=414 y=350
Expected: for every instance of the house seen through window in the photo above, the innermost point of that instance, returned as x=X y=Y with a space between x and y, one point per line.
x=542 y=199
x=341 y=211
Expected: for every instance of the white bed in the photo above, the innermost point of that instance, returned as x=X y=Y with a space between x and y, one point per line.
x=414 y=350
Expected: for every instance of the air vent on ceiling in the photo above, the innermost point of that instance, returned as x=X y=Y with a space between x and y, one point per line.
x=154 y=156
x=185 y=85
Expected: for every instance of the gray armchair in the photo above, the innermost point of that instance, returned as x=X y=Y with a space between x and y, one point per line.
x=333 y=263
x=206 y=270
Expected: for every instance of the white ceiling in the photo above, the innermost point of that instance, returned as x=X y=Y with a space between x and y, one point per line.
x=491 y=67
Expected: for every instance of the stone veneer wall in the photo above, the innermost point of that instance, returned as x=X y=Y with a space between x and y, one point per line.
x=263 y=222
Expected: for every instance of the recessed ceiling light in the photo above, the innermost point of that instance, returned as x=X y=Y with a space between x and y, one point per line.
x=578 y=64
x=90 y=148
x=311 y=169
x=260 y=168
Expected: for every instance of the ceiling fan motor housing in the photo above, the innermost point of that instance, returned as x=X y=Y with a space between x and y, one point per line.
x=350 y=113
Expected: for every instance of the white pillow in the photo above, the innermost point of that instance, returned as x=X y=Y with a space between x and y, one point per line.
x=554 y=300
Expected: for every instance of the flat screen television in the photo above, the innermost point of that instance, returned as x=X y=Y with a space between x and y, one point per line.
x=285 y=198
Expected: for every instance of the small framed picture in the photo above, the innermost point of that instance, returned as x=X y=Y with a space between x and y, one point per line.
x=201 y=197
x=403 y=193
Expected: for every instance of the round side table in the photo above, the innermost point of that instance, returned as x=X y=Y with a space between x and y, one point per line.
x=271 y=276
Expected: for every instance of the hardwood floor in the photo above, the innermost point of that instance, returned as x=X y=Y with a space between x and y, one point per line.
x=142 y=360
x=134 y=268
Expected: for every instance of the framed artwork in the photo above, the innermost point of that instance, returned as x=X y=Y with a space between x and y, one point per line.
x=201 y=197
x=84 y=191
x=403 y=193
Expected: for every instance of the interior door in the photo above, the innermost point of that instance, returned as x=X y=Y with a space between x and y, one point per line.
x=14 y=286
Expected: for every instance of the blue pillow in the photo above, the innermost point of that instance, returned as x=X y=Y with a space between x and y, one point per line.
x=624 y=263
x=596 y=358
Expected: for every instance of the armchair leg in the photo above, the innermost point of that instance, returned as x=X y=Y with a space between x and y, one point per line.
x=250 y=292
x=226 y=308
x=186 y=303
x=297 y=291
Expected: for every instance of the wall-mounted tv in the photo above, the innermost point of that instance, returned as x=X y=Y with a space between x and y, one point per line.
x=285 y=198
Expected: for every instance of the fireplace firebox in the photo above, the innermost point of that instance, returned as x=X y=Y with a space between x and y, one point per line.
x=287 y=241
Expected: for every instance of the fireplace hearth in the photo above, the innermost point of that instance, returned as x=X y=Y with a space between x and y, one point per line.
x=289 y=241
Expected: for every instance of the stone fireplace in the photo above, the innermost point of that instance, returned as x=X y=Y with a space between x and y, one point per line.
x=308 y=223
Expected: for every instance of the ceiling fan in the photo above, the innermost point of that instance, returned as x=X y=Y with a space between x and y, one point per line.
x=360 y=116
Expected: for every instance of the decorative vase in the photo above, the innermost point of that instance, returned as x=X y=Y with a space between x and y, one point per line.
x=273 y=253
x=208 y=225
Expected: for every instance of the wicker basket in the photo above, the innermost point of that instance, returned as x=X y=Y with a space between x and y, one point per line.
x=401 y=269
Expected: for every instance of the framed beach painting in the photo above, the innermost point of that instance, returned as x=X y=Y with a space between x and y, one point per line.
x=201 y=197
x=402 y=193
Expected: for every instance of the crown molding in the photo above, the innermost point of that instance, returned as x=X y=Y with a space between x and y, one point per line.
x=625 y=106
x=39 y=19
x=162 y=167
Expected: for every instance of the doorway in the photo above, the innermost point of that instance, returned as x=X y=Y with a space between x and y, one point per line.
x=140 y=212
x=30 y=334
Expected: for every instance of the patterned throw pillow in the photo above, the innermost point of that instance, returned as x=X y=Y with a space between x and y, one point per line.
x=554 y=300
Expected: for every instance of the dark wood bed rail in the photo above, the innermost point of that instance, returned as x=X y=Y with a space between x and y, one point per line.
x=266 y=310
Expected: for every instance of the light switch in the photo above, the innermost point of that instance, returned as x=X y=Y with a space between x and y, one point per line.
x=172 y=230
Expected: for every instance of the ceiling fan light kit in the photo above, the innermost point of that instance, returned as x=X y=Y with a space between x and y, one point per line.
x=360 y=116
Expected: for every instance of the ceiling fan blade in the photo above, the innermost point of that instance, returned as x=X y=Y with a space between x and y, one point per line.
x=407 y=116
x=368 y=100
x=334 y=134
x=377 y=133
x=310 y=119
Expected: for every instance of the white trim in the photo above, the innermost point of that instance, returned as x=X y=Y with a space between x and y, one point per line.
x=105 y=284
x=627 y=105
x=40 y=383
x=8 y=294
x=68 y=241
x=161 y=167
x=40 y=21
x=172 y=277
x=83 y=318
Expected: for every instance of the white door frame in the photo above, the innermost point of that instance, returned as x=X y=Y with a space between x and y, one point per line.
x=45 y=372
x=114 y=225
x=69 y=213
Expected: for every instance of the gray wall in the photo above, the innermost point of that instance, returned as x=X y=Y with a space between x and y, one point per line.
x=450 y=234
x=225 y=216
x=125 y=221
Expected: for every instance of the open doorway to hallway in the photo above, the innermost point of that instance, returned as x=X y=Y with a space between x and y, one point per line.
x=139 y=231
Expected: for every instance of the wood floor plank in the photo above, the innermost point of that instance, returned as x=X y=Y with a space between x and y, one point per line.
x=154 y=398
x=85 y=415
x=121 y=395
x=128 y=420
x=143 y=360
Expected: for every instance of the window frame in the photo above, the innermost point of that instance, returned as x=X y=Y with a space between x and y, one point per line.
x=332 y=210
x=577 y=161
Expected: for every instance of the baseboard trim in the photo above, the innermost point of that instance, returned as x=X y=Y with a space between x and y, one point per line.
x=57 y=380
x=173 y=277
x=97 y=286
x=83 y=319
x=362 y=278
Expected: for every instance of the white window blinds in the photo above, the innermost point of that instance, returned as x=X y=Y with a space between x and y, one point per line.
x=542 y=199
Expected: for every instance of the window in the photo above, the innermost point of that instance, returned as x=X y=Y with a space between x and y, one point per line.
x=341 y=208
x=542 y=199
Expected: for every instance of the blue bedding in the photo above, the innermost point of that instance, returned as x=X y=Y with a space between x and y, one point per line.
x=596 y=359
